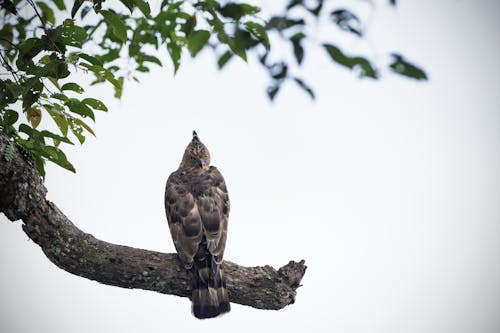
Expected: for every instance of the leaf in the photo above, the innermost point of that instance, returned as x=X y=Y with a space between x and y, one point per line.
x=347 y=21
x=143 y=7
x=93 y=60
x=272 y=91
x=224 y=59
x=60 y=97
x=175 y=54
x=278 y=70
x=9 y=91
x=298 y=50
x=71 y=34
x=47 y=12
x=77 y=130
x=32 y=89
x=57 y=156
x=95 y=103
x=47 y=134
x=119 y=87
x=34 y=116
x=117 y=24
x=197 y=40
x=54 y=82
x=9 y=6
x=304 y=86
x=73 y=87
x=80 y=108
x=403 y=67
x=84 y=125
x=259 y=32
x=129 y=4
x=10 y=117
x=150 y=58
x=60 y=4
x=281 y=23
x=85 y=11
x=76 y=5
x=189 y=26
x=365 y=67
x=58 y=118
x=237 y=10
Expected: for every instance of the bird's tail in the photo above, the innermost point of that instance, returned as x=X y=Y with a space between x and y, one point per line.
x=209 y=298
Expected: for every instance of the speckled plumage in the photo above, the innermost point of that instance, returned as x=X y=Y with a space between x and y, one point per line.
x=197 y=208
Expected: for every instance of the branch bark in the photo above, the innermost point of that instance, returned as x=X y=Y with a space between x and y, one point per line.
x=22 y=197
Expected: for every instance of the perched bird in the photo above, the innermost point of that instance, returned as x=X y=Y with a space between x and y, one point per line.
x=197 y=207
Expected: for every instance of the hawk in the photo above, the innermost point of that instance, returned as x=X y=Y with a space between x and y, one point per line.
x=197 y=207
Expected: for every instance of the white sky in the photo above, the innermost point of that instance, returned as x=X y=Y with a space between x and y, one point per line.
x=389 y=189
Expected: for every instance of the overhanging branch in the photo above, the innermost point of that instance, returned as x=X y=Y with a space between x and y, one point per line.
x=22 y=197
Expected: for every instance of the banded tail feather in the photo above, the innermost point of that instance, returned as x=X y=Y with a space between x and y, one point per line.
x=209 y=297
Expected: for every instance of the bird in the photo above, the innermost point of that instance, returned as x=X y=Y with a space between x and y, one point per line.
x=197 y=209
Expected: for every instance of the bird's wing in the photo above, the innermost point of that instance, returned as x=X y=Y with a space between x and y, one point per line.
x=213 y=208
x=184 y=219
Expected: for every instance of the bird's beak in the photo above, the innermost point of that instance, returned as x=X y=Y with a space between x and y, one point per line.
x=201 y=162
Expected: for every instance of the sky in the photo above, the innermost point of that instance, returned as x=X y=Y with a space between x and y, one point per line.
x=388 y=189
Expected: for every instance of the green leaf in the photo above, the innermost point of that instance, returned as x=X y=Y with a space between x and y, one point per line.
x=272 y=91
x=9 y=6
x=281 y=23
x=47 y=12
x=60 y=4
x=143 y=7
x=119 y=87
x=117 y=24
x=54 y=82
x=9 y=117
x=84 y=125
x=259 y=32
x=71 y=34
x=32 y=89
x=57 y=156
x=76 y=130
x=73 y=87
x=150 y=58
x=365 y=67
x=80 y=108
x=51 y=135
x=91 y=59
x=95 y=103
x=58 y=117
x=403 y=67
x=298 y=50
x=175 y=54
x=129 y=4
x=224 y=59
x=9 y=91
x=197 y=40
x=60 y=97
x=304 y=86
x=236 y=11
x=76 y=5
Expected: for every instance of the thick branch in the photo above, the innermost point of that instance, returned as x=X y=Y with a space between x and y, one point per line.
x=22 y=196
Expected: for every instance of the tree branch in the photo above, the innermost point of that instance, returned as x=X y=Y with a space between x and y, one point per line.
x=22 y=196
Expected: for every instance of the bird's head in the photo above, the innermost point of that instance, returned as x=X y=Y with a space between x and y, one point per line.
x=196 y=155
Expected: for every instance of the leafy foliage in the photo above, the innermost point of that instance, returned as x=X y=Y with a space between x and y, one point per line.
x=43 y=43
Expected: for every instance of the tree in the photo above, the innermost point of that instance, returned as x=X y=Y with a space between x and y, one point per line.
x=43 y=46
